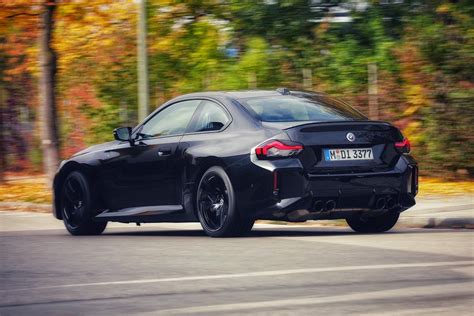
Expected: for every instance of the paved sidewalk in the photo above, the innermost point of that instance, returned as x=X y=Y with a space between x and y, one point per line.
x=440 y=211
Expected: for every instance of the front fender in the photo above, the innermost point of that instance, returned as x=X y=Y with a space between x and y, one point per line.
x=65 y=168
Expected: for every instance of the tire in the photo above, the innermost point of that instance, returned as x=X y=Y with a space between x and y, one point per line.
x=216 y=206
x=78 y=206
x=377 y=224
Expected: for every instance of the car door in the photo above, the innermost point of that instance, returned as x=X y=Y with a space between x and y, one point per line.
x=147 y=172
x=204 y=136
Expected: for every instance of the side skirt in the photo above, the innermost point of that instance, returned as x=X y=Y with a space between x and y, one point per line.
x=145 y=214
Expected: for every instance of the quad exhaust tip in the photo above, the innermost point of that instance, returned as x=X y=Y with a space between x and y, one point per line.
x=391 y=203
x=330 y=205
x=318 y=206
x=380 y=204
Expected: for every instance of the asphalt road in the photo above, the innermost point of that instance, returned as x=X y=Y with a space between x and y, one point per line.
x=167 y=269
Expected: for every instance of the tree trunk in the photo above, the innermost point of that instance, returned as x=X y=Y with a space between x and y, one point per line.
x=307 y=79
x=142 y=60
x=47 y=85
x=252 y=80
x=373 y=92
x=3 y=151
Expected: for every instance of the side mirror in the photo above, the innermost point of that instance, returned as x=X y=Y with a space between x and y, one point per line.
x=123 y=133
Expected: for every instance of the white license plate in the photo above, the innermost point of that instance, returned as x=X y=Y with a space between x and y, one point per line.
x=348 y=154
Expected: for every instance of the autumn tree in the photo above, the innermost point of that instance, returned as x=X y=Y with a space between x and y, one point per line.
x=18 y=33
x=39 y=15
x=47 y=87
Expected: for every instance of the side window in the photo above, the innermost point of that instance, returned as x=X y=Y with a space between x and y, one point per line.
x=171 y=121
x=210 y=117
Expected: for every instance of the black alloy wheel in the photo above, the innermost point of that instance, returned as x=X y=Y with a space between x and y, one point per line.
x=77 y=206
x=214 y=201
x=217 y=208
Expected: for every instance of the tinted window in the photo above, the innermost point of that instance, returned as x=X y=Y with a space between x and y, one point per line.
x=172 y=120
x=211 y=117
x=296 y=108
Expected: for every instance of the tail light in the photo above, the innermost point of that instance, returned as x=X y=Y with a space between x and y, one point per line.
x=275 y=149
x=404 y=146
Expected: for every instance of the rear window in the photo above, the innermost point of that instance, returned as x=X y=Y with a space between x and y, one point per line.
x=298 y=108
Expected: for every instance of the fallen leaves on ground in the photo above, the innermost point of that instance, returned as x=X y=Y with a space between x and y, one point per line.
x=32 y=190
x=436 y=186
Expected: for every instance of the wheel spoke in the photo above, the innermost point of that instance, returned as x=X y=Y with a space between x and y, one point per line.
x=222 y=216
x=205 y=205
x=66 y=214
x=207 y=197
x=71 y=193
x=213 y=186
x=208 y=216
x=206 y=186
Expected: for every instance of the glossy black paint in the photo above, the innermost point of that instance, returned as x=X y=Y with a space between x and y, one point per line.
x=155 y=179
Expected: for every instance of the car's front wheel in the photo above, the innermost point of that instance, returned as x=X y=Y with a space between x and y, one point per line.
x=377 y=224
x=77 y=206
x=216 y=206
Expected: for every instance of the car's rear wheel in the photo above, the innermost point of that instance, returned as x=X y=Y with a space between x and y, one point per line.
x=377 y=224
x=77 y=206
x=216 y=206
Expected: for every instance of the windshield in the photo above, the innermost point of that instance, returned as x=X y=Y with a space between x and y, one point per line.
x=293 y=108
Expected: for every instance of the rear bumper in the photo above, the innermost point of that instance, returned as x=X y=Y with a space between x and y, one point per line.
x=338 y=195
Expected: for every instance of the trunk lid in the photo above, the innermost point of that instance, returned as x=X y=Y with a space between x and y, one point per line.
x=317 y=138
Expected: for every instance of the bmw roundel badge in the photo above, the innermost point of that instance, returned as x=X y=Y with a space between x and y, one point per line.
x=350 y=137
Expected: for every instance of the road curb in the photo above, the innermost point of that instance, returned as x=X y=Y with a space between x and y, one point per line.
x=437 y=222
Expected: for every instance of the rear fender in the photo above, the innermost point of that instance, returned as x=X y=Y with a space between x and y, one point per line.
x=192 y=173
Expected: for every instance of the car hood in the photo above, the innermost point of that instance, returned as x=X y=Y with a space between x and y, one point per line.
x=94 y=148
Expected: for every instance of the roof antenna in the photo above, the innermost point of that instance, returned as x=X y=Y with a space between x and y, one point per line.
x=283 y=91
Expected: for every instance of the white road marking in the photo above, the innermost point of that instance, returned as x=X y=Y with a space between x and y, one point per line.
x=254 y=274
x=418 y=291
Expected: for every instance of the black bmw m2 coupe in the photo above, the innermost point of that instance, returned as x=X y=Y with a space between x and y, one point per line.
x=226 y=159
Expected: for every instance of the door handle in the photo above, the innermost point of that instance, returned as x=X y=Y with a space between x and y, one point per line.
x=165 y=151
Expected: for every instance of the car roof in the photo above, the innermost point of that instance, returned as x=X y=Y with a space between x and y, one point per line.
x=250 y=93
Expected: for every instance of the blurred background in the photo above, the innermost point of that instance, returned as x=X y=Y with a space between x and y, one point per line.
x=69 y=70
